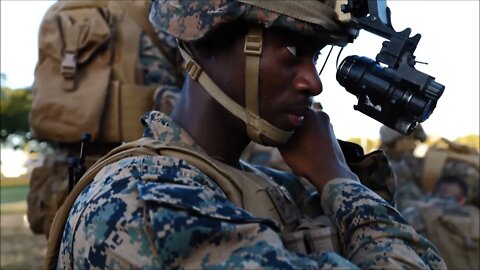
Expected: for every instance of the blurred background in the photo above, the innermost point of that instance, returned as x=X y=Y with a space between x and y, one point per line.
x=449 y=44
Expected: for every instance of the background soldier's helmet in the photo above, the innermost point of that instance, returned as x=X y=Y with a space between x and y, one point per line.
x=191 y=19
x=388 y=135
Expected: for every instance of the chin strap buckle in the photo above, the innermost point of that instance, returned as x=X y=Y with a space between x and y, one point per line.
x=194 y=69
x=253 y=42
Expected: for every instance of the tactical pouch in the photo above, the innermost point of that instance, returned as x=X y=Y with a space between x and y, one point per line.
x=318 y=235
x=88 y=77
x=48 y=189
x=72 y=74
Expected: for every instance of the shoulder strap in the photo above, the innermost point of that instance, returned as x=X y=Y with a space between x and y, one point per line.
x=140 y=16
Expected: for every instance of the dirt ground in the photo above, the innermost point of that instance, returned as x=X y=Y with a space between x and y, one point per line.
x=19 y=247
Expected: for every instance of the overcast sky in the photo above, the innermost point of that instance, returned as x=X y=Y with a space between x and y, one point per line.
x=449 y=44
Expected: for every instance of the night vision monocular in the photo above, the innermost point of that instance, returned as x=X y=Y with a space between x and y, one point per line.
x=395 y=93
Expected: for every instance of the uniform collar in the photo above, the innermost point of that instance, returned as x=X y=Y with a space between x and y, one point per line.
x=160 y=126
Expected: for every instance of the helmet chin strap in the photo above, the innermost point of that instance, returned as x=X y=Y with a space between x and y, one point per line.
x=255 y=125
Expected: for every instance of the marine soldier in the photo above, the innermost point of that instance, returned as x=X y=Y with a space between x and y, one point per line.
x=194 y=204
x=450 y=221
x=405 y=165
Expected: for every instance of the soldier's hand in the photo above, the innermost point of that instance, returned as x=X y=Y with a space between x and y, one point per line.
x=314 y=153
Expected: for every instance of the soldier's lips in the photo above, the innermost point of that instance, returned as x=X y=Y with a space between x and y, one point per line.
x=295 y=120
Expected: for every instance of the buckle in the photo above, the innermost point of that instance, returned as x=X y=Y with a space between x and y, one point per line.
x=69 y=65
x=193 y=69
x=253 y=44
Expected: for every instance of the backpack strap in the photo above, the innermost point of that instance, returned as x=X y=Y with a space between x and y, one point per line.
x=140 y=16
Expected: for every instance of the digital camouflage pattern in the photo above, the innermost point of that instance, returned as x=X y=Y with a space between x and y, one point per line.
x=161 y=212
x=452 y=227
x=191 y=20
x=407 y=172
x=374 y=171
x=166 y=71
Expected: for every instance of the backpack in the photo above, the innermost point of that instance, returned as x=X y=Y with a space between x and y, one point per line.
x=255 y=192
x=445 y=157
x=88 y=77
x=454 y=229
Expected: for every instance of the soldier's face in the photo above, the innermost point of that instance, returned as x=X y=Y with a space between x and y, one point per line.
x=288 y=77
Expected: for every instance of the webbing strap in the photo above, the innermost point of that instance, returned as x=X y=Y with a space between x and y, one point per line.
x=71 y=33
x=252 y=50
x=197 y=74
x=140 y=16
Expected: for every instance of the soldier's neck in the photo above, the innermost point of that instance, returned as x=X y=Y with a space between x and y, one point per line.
x=212 y=127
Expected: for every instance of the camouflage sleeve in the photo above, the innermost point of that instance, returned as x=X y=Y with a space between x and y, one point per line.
x=162 y=67
x=227 y=238
x=373 y=234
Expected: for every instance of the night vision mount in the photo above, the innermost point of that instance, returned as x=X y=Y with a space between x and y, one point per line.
x=395 y=94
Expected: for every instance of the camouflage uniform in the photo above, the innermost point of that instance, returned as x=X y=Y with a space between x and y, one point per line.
x=405 y=165
x=162 y=212
x=162 y=68
x=407 y=172
x=452 y=227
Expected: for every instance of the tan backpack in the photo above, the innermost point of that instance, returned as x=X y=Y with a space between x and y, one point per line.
x=455 y=232
x=447 y=157
x=88 y=77
x=252 y=191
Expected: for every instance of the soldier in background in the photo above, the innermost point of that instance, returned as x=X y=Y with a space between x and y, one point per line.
x=406 y=166
x=450 y=221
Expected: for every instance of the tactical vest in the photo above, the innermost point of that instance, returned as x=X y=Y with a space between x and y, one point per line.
x=253 y=191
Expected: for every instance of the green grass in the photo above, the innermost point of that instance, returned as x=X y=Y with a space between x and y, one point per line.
x=13 y=194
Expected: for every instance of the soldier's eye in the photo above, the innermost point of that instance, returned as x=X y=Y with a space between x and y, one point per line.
x=316 y=56
x=292 y=50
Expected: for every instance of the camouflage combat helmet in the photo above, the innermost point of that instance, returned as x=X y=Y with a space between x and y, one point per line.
x=191 y=20
x=467 y=172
